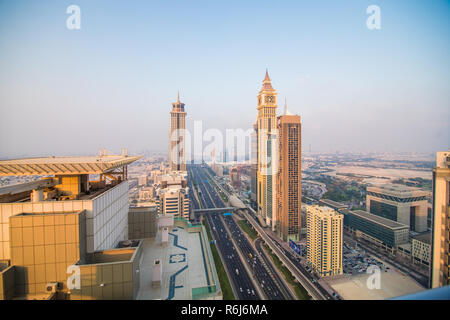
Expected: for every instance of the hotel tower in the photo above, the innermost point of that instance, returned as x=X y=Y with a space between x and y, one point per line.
x=266 y=125
x=289 y=191
x=440 y=256
x=177 y=136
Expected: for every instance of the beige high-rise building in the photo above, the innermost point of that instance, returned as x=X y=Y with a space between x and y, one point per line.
x=324 y=239
x=266 y=124
x=177 y=161
x=440 y=259
x=289 y=190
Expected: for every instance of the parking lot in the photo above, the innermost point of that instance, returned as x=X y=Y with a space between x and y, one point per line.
x=354 y=260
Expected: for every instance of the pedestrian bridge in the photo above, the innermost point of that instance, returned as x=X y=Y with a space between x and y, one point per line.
x=214 y=210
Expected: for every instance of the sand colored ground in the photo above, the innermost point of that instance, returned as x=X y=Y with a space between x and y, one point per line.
x=392 y=284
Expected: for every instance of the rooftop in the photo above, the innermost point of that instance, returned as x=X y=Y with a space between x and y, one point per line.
x=377 y=219
x=333 y=204
x=187 y=266
x=423 y=237
x=64 y=165
x=397 y=190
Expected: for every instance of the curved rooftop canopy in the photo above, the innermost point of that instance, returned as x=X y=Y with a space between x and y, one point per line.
x=65 y=165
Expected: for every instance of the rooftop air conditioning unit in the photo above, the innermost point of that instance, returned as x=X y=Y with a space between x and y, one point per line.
x=53 y=287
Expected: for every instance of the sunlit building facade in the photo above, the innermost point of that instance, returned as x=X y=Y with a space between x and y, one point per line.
x=440 y=259
x=324 y=240
x=288 y=189
x=177 y=161
x=267 y=153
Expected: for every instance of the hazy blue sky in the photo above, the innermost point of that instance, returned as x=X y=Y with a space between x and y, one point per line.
x=111 y=84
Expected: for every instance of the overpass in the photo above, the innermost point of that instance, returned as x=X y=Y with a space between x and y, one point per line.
x=213 y=210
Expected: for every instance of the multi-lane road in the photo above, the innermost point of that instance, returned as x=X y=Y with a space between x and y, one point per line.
x=240 y=279
x=229 y=238
x=314 y=289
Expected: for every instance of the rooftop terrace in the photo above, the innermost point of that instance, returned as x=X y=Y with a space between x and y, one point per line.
x=64 y=165
x=377 y=219
x=188 y=271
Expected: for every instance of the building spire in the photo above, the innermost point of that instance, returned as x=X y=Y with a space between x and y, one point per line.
x=267 y=78
x=267 y=85
x=286 y=111
x=178 y=97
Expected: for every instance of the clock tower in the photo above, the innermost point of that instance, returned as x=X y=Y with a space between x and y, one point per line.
x=266 y=125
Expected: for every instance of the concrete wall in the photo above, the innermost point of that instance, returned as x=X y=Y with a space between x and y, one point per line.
x=7 y=283
x=43 y=246
x=142 y=223
x=110 y=281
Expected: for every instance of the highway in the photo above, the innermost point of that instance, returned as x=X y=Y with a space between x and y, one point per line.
x=239 y=277
x=268 y=263
x=286 y=258
x=268 y=280
x=237 y=273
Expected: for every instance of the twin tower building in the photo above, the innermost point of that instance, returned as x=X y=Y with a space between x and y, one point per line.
x=276 y=165
x=276 y=161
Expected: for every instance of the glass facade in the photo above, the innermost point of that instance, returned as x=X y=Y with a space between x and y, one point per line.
x=388 y=236
x=383 y=210
x=396 y=199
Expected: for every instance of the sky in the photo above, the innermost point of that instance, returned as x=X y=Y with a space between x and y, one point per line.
x=111 y=83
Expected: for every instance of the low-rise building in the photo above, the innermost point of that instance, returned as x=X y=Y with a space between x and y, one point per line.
x=421 y=248
x=381 y=231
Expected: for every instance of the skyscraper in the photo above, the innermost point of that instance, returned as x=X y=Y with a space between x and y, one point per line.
x=254 y=166
x=440 y=255
x=289 y=177
x=177 y=136
x=324 y=239
x=267 y=154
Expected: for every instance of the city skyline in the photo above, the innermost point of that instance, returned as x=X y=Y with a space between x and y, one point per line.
x=390 y=84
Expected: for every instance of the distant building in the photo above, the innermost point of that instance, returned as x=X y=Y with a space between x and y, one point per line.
x=403 y=204
x=146 y=193
x=142 y=180
x=235 y=178
x=177 y=150
x=217 y=169
x=421 y=248
x=324 y=240
x=173 y=197
x=440 y=259
x=289 y=184
x=254 y=167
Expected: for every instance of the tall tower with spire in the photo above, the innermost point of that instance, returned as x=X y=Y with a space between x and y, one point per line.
x=266 y=125
x=177 y=161
x=289 y=177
